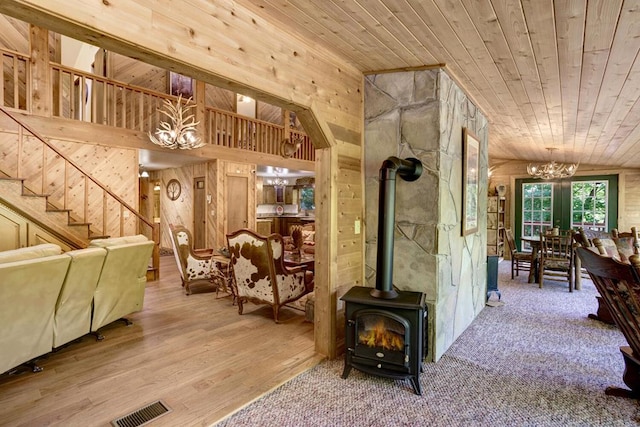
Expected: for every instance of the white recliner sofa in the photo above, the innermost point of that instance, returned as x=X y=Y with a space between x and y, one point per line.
x=49 y=298
x=120 y=288
x=30 y=283
x=75 y=302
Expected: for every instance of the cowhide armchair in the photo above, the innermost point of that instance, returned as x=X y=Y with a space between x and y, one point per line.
x=196 y=267
x=260 y=274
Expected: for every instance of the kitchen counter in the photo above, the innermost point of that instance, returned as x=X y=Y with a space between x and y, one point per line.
x=271 y=216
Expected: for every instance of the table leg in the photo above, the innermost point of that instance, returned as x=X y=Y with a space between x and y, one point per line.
x=534 y=274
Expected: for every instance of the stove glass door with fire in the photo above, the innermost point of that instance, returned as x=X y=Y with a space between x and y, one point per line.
x=381 y=337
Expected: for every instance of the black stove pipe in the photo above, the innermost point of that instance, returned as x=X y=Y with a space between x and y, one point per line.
x=409 y=169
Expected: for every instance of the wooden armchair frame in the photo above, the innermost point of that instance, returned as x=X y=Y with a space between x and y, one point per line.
x=619 y=287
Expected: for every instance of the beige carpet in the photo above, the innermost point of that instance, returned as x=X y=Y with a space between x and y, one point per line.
x=537 y=360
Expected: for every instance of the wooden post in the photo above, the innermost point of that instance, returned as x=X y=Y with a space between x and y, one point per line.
x=286 y=122
x=326 y=265
x=200 y=111
x=40 y=83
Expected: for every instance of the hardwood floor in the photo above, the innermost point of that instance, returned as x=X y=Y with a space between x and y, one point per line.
x=195 y=353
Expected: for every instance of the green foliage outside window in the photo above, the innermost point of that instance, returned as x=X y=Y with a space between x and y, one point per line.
x=589 y=204
x=307 y=199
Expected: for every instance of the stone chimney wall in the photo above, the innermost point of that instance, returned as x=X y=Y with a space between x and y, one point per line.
x=421 y=114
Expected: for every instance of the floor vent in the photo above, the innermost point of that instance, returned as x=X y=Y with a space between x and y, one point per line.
x=143 y=415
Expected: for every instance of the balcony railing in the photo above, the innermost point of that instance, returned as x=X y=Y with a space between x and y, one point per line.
x=84 y=96
x=15 y=73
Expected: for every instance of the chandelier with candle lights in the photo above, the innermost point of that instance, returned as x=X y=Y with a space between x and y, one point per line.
x=552 y=169
x=179 y=132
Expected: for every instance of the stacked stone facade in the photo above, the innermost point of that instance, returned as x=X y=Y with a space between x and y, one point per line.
x=421 y=114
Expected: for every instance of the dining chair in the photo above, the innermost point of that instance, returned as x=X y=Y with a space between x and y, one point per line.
x=556 y=257
x=519 y=260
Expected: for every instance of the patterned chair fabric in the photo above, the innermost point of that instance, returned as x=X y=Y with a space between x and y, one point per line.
x=195 y=269
x=259 y=271
x=620 y=246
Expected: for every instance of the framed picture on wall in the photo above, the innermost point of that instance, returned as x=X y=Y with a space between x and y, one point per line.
x=180 y=85
x=470 y=181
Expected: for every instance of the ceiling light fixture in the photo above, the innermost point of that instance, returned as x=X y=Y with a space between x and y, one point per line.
x=142 y=173
x=278 y=181
x=552 y=169
x=180 y=130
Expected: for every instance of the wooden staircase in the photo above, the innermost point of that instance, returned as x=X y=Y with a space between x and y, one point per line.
x=32 y=198
x=36 y=208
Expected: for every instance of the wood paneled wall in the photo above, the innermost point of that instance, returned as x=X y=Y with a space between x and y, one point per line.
x=227 y=45
x=114 y=167
x=180 y=211
x=15 y=36
x=135 y=72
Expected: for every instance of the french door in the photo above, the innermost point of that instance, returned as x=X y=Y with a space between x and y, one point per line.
x=590 y=202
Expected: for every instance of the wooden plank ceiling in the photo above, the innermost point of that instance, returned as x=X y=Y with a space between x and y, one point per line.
x=563 y=73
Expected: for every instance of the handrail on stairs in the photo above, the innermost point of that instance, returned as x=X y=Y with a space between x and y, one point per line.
x=155 y=229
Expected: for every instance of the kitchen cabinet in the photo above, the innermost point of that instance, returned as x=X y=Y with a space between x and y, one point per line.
x=264 y=226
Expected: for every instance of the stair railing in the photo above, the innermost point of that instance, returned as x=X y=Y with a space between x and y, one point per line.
x=152 y=228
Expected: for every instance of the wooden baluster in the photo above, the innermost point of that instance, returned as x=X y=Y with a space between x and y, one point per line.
x=2 y=86
x=16 y=84
x=86 y=199
x=104 y=213
x=20 y=148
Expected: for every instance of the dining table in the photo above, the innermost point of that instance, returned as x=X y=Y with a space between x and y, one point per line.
x=294 y=259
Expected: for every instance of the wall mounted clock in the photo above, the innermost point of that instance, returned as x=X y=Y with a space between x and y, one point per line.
x=173 y=189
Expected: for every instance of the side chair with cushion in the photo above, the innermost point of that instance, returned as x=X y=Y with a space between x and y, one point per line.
x=519 y=260
x=196 y=268
x=556 y=257
x=619 y=247
x=257 y=263
x=619 y=285
x=581 y=239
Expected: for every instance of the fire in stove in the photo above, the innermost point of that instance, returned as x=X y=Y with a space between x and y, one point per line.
x=381 y=335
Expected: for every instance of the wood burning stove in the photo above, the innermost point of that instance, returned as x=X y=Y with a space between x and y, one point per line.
x=385 y=329
x=385 y=337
